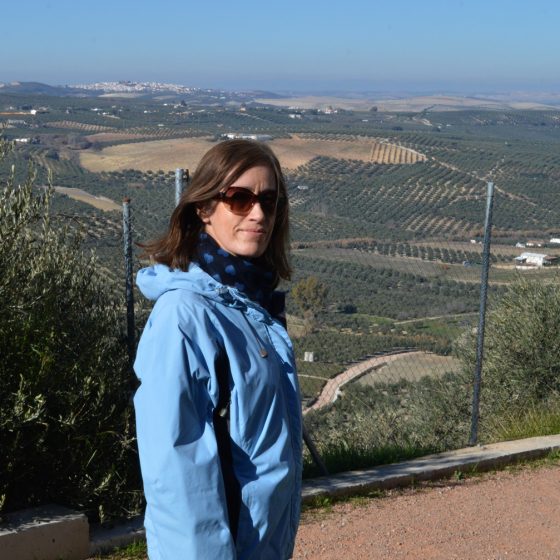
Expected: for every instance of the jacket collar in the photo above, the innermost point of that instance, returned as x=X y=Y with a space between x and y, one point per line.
x=155 y=280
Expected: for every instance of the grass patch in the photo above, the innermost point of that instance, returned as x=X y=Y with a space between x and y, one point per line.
x=541 y=420
x=552 y=459
x=342 y=458
x=375 y=320
x=450 y=327
x=134 y=551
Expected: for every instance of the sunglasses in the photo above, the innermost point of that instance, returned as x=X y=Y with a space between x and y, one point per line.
x=241 y=200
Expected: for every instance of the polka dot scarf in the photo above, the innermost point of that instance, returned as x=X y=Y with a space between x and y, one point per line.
x=250 y=276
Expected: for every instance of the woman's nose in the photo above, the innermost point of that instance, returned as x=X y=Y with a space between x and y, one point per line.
x=257 y=212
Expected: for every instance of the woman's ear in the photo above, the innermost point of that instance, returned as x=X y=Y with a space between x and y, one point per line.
x=203 y=213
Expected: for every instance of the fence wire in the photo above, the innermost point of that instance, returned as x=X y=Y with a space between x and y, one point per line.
x=381 y=353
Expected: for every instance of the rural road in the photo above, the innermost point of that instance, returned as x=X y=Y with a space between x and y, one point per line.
x=330 y=390
x=498 y=516
x=435 y=317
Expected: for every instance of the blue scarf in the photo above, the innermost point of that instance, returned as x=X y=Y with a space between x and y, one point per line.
x=252 y=277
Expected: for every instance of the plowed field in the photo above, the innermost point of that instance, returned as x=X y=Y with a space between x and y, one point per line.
x=292 y=152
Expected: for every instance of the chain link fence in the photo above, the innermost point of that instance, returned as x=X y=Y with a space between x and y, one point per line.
x=375 y=386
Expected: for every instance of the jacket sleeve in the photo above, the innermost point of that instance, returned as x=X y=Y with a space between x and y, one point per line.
x=186 y=513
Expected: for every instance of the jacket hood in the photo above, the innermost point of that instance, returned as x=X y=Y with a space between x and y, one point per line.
x=155 y=280
x=158 y=279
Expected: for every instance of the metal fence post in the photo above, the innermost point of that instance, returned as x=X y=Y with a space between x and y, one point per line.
x=181 y=178
x=127 y=235
x=313 y=451
x=482 y=314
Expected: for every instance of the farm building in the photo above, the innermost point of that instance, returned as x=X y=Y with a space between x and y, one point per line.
x=555 y=241
x=526 y=260
x=239 y=135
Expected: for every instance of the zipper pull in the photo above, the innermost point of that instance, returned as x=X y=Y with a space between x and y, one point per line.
x=263 y=352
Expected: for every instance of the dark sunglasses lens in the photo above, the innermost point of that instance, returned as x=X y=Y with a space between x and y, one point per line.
x=240 y=201
x=268 y=202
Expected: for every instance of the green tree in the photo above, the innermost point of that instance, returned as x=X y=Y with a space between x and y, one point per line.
x=310 y=296
x=521 y=364
x=66 y=431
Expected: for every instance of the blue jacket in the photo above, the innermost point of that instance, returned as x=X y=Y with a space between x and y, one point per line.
x=195 y=319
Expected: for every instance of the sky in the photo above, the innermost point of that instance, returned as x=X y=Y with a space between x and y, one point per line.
x=446 y=46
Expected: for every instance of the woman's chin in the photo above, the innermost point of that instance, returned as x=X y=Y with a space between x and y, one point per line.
x=248 y=248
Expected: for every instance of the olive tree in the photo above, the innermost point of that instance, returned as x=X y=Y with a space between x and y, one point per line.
x=65 y=420
x=521 y=365
x=310 y=295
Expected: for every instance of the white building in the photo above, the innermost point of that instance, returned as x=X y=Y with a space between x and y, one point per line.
x=531 y=260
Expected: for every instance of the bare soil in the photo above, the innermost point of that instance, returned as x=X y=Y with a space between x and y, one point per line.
x=412 y=366
x=186 y=152
x=100 y=202
x=152 y=155
x=504 y=515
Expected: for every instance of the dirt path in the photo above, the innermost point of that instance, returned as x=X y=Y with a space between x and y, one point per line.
x=435 y=317
x=330 y=391
x=504 y=515
x=101 y=202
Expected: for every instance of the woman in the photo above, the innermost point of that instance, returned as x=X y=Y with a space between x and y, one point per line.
x=218 y=411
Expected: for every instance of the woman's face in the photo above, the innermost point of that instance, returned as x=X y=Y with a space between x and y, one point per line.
x=244 y=234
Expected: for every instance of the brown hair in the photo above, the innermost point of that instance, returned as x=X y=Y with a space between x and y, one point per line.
x=220 y=167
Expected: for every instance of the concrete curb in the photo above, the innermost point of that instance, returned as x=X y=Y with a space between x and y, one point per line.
x=105 y=540
x=432 y=467
x=46 y=532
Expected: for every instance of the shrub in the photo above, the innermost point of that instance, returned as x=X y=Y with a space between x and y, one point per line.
x=521 y=367
x=66 y=431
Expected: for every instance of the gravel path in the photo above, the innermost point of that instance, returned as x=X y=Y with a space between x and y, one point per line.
x=497 y=516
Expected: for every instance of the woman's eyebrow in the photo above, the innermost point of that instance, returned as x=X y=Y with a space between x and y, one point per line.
x=271 y=189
